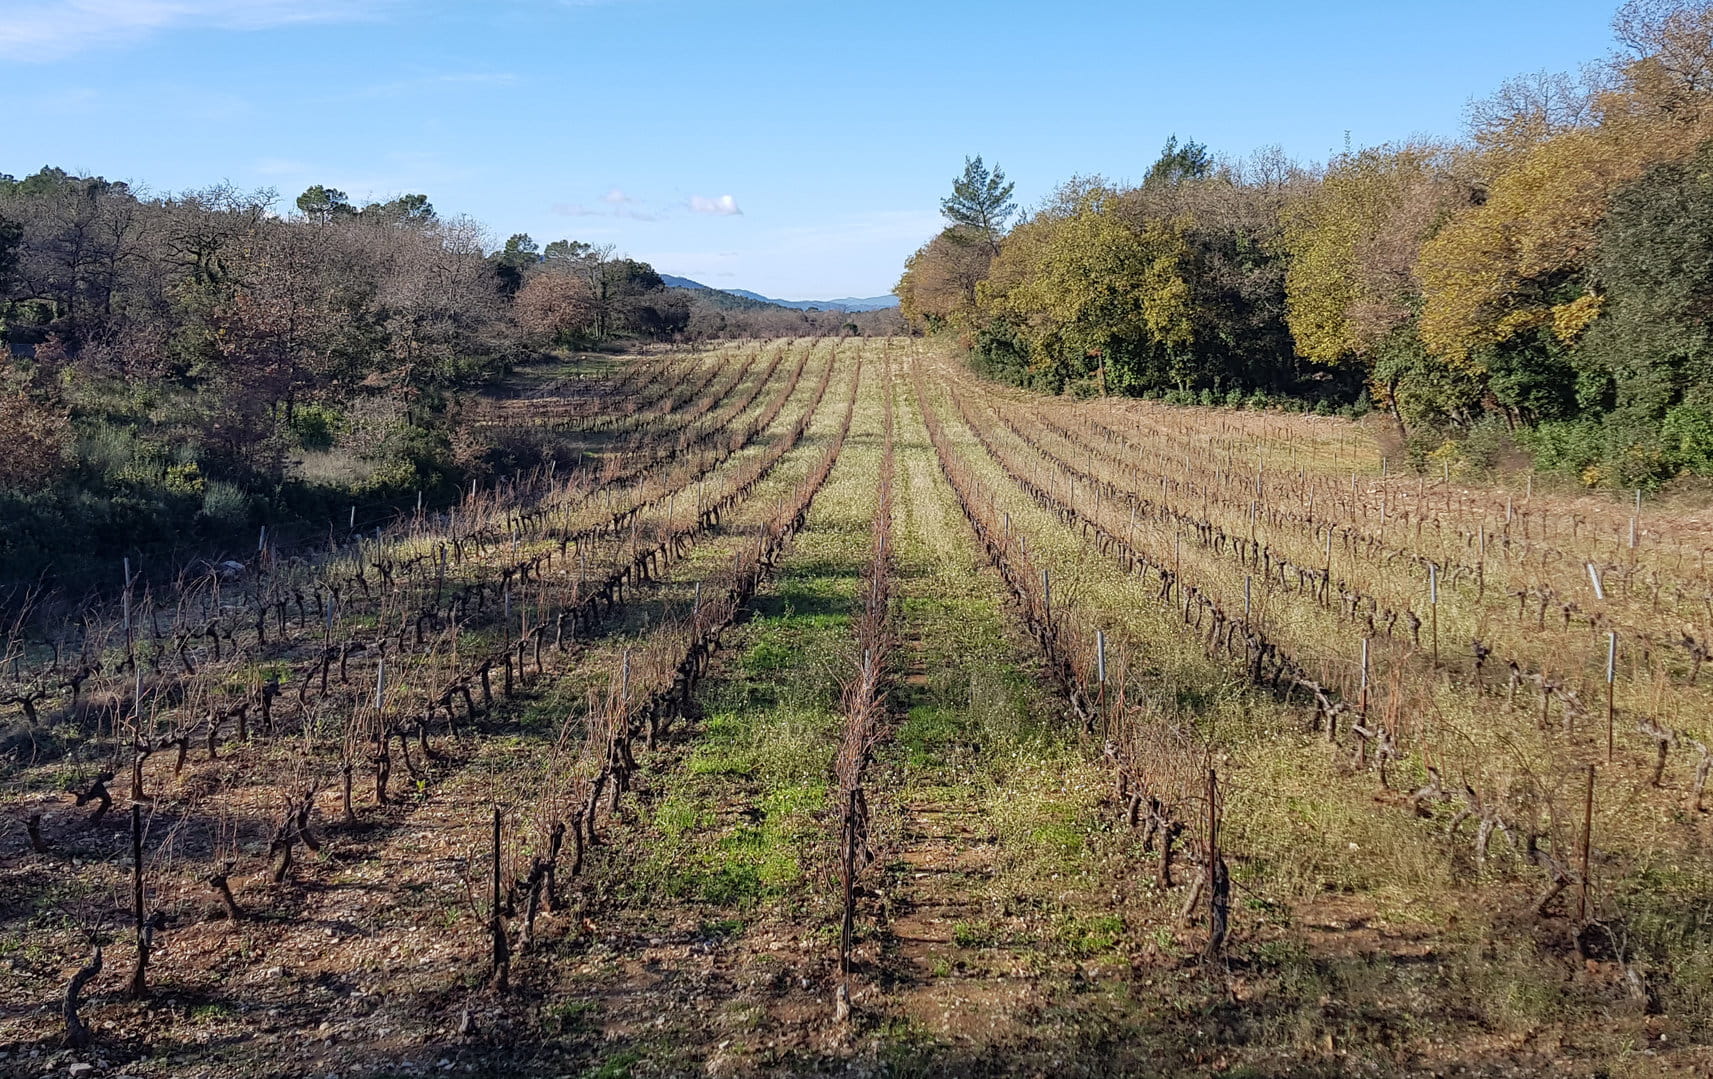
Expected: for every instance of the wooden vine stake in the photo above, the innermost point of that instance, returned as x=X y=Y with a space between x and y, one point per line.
x=496 y=924
x=1587 y=836
x=1481 y=560
x=1635 y=520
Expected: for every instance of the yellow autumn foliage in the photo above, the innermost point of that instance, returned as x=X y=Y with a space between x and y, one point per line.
x=1492 y=272
x=938 y=287
x=1354 y=239
x=1079 y=276
x=1570 y=319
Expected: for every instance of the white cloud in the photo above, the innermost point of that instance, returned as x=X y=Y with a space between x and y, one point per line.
x=53 y=29
x=725 y=205
x=616 y=197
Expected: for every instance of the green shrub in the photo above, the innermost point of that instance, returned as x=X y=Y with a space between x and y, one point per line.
x=1615 y=451
x=1421 y=444
x=315 y=426
x=225 y=505
x=185 y=478
x=104 y=449
x=1687 y=434
x=1571 y=446
x=1486 y=443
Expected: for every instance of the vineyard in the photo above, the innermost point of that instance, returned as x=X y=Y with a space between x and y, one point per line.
x=837 y=711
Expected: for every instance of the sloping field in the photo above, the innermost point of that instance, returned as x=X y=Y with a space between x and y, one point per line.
x=843 y=714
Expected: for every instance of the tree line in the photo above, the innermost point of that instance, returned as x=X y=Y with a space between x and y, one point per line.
x=1544 y=278
x=189 y=365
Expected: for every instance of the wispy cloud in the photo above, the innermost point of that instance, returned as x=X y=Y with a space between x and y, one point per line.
x=378 y=177
x=577 y=209
x=615 y=203
x=725 y=205
x=43 y=30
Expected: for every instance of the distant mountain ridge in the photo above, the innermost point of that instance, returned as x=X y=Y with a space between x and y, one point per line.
x=846 y=303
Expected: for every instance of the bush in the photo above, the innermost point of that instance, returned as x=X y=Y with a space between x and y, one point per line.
x=314 y=426
x=185 y=478
x=225 y=505
x=1485 y=444
x=412 y=459
x=1687 y=434
x=1421 y=446
x=106 y=450
x=1571 y=446
x=1617 y=451
x=1641 y=463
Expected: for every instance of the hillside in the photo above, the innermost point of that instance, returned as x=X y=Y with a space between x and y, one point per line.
x=852 y=304
x=719 y=298
x=872 y=303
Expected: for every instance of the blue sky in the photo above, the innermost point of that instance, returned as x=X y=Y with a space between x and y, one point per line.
x=795 y=149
